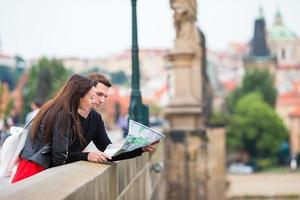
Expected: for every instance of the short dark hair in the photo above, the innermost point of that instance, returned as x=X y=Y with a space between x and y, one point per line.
x=100 y=78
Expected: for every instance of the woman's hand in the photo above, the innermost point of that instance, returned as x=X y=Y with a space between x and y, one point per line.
x=150 y=147
x=98 y=157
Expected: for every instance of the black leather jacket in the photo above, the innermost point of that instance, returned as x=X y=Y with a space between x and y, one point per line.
x=62 y=149
x=45 y=154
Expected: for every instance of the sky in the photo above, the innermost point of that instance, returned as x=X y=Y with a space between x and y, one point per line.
x=100 y=28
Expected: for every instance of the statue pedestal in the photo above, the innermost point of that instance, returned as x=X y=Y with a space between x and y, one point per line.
x=186 y=139
x=187 y=150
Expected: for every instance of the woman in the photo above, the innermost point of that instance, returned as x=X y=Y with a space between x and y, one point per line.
x=55 y=128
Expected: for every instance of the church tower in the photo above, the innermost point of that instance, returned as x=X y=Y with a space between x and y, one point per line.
x=284 y=43
x=259 y=56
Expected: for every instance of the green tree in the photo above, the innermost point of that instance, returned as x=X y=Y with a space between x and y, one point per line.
x=11 y=74
x=119 y=77
x=20 y=66
x=7 y=75
x=6 y=108
x=155 y=109
x=254 y=81
x=45 y=78
x=256 y=129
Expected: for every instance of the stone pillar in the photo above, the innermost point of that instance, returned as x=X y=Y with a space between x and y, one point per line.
x=216 y=186
x=186 y=170
x=186 y=143
x=186 y=161
x=181 y=63
x=186 y=156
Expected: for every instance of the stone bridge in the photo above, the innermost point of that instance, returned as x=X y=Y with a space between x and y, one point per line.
x=132 y=179
x=129 y=179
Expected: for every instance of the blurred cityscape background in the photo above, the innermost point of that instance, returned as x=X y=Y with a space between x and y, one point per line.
x=43 y=42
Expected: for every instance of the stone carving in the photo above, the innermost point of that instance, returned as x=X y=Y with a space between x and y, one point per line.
x=185 y=16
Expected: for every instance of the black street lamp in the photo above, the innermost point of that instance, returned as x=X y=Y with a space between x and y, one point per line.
x=137 y=110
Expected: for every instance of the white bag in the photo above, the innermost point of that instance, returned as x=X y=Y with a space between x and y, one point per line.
x=11 y=150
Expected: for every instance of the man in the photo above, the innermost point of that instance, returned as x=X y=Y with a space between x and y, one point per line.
x=101 y=93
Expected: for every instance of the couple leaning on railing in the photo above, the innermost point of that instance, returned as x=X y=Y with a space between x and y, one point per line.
x=62 y=129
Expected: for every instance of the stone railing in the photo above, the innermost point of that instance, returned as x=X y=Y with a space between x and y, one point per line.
x=138 y=178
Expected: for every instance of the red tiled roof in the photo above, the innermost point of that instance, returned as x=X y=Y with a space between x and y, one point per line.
x=289 y=98
x=161 y=91
x=296 y=112
x=150 y=52
x=241 y=47
x=229 y=85
x=115 y=98
x=284 y=67
x=4 y=56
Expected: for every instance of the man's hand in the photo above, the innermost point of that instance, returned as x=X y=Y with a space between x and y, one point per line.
x=98 y=157
x=151 y=147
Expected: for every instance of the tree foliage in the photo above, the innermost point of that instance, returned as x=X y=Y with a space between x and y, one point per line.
x=254 y=81
x=45 y=78
x=7 y=75
x=5 y=107
x=255 y=128
x=11 y=74
x=119 y=77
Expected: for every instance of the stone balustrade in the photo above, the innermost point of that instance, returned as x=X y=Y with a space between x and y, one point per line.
x=137 y=178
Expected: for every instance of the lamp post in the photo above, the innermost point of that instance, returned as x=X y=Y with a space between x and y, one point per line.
x=137 y=110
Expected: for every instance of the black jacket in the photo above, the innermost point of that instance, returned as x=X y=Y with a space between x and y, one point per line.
x=62 y=149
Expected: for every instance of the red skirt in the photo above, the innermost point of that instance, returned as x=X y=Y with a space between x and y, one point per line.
x=26 y=169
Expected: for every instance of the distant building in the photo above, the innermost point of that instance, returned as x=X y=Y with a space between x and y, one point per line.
x=276 y=49
x=294 y=132
x=287 y=107
x=152 y=62
x=285 y=44
x=7 y=61
x=78 y=65
x=225 y=71
x=259 y=56
x=153 y=73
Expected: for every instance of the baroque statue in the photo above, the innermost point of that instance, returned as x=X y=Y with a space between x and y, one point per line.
x=185 y=16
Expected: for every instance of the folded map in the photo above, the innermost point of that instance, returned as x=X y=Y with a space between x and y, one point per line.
x=138 y=136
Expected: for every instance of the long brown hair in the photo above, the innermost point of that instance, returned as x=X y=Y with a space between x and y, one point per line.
x=63 y=109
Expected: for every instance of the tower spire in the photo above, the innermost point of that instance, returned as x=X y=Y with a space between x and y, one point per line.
x=259 y=44
x=260 y=12
x=278 y=17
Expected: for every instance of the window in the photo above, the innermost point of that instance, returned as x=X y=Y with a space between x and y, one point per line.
x=283 y=54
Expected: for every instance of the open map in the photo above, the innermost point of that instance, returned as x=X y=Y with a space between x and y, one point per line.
x=138 y=136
